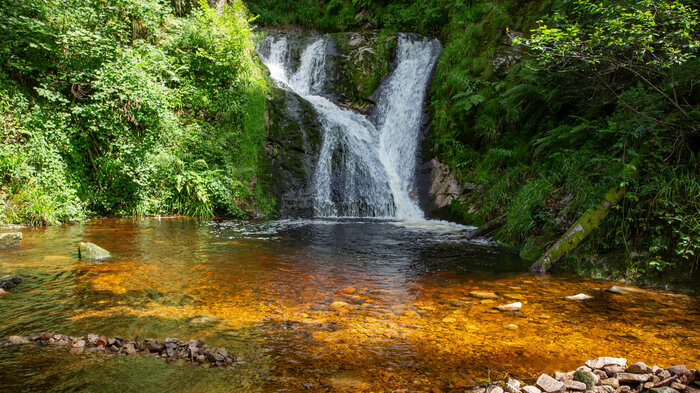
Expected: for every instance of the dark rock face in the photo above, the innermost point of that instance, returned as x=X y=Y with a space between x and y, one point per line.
x=293 y=143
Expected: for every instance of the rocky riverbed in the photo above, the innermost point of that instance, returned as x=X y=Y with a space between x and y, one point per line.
x=605 y=375
x=195 y=352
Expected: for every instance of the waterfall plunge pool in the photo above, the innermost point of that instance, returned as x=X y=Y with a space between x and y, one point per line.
x=323 y=305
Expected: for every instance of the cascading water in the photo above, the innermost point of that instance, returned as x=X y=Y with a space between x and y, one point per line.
x=366 y=164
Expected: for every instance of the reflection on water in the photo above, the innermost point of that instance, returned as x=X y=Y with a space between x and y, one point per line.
x=326 y=305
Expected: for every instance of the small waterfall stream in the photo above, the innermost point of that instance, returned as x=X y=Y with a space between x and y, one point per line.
x=366 y=164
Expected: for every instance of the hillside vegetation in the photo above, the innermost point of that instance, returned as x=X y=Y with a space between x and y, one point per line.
x=126 y=108
x=540 y=133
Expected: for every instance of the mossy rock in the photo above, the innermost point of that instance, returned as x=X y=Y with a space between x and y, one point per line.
x=8 y=240
x=92 y=251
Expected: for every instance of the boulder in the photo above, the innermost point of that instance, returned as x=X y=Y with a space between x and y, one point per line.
x=639 y=368
x=549 y=384
x=511 y=307
x=483 y=295
x=92 y=251
x=8 y=240
x=664 y=374
x=10 y=281
x=586 y=377
x=606 y=361
x=632 y=378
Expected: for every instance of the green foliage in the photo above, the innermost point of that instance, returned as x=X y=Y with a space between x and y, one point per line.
x=120 y=108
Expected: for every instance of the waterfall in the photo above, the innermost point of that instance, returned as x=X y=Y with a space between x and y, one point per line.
x=366 y=164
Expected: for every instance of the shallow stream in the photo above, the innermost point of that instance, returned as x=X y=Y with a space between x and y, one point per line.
x=325 y=305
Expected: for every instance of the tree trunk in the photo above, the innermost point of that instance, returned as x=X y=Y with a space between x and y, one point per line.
x=588 y=222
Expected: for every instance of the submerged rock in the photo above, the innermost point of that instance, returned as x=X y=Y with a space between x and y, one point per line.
x=580 y=296
x=624 y=290
x=483 y=295
x=8 y=240
x=10 y=281
x=510 y=307
x=92 y=251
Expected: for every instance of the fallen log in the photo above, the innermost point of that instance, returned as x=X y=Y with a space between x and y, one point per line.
x=486 y=228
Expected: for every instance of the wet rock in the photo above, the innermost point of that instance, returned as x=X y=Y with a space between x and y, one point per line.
x=611 y=382
x=624 y=290
x=129 y=349
x=687 y=378
x=16 y=340
x=664 y=374
x=510 y=307
x=606 y=361
x=339 y=304
x=663 y=389
x=35 y=336
x=600 y=374
x=678 y=386
x=92 y=251
x=580 y=296
x=512 y=386
x=612 y=370
x=632 y=378
x=604 y=389
x=483 y=295
x=511 y=326
x=8 y=240
x=639 y=368
x=549 y=384
x=575 y=385
x=79 y=344
x=531 y=389
x=677 y=370
x=586 y=377
x=10 y=281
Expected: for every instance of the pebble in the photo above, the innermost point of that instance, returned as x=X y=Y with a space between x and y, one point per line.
x=510 y=307
x=483 y=295
x=580 y=296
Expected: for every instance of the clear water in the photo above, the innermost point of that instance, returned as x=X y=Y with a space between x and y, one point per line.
x=266 y=291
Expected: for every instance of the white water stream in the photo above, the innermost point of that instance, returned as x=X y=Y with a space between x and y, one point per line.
x=365 y=167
